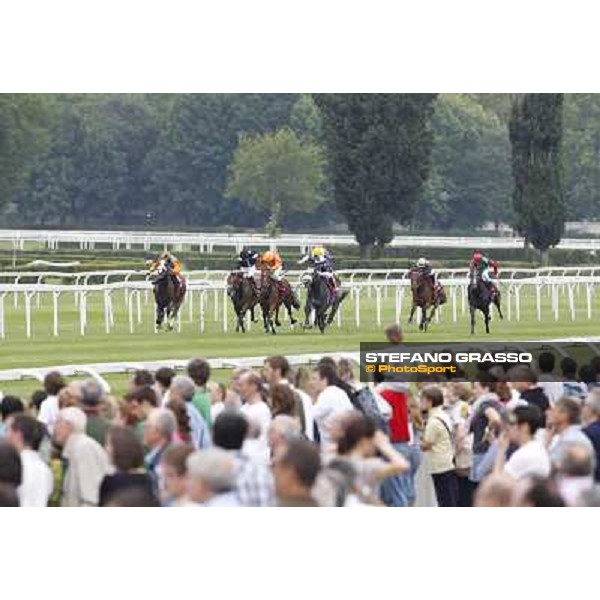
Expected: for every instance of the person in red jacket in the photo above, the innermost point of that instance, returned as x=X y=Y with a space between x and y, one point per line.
x=399 y=490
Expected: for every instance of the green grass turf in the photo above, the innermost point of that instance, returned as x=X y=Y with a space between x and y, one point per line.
x=43 y=349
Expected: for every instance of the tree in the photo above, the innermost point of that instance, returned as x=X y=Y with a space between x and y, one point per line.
x=470 y=180
x=278 y=173
x=536 y=132
x=379 y=151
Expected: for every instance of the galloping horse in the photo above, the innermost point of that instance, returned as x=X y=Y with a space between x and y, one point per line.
x=424 y=296
x=480 y=298
x=168 y=295
x=244 y=296
x=320 y=299
x=272 y=295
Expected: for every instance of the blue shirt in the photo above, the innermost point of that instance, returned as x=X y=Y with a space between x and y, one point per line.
x=200 y=433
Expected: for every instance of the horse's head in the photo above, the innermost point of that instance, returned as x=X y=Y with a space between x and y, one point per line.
x=158 y=271
x=415 y=276
x=306 y=279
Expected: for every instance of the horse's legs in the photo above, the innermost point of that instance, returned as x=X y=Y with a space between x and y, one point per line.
x=336 y=306
x=160 y=315
x=252 y=315
x=486 y=314
x=472 y=311
x=412 y=313
x=289 y=305
x=497 y=303
x=307 y=311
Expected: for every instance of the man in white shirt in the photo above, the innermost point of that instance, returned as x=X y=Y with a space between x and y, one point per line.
x=332 y=402
x=53 y=384
x=254 y=408
x=25 y=434
x=276 y=370
x=531 y=459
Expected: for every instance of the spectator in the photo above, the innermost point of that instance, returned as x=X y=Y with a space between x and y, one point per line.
x=70 y=395
x=163 y=378
x=141 y=378
x=398 y=490
x=283 y=401
x=136 y=407
x=277 y=370
x=496 y=490
x=565 y=428
x=199 y=371
x=572 y=388
x=524 y=380
x=253 y=478
x=183 y=433
x=183 y=389
x=438 y=441
x=11 y=468
x=592 y=428
x=53 y=384
x=296 y=467
x=587 y=375
x=159 y=429
x=8 y=496
x=9 y=405
x=575 y=473
x=26 y=434
x=372 y=455
x=531 y=458
x=331 y=402
x=91 y=399
x=133 y=497
x=548 y=381
x=281 y=430
x=87 y=462
x=211 y=478
x=485 y=421
x=538 y=493
x=126 y=454
x=35 y=403
x=218 y=394
x=254 y=408
x=173 y=465
x=393 y=333
x=236 y=400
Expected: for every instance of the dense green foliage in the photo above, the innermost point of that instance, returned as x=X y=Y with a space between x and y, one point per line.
x=536 y=138
x=159 y=161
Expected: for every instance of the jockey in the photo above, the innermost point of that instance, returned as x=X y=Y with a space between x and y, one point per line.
x=247 y=260
x=481 y=264
x=173 y=266
x=272 y=259
x=322 y=262
x=424 y=267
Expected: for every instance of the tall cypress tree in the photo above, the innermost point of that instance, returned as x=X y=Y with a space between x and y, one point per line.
x=536 y=131
x=379 y=153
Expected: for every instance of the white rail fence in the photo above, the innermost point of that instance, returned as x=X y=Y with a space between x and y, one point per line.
x=206 y=242
x=568 y=296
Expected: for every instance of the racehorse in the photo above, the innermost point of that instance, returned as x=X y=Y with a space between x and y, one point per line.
x=244 y=296
x=168 y=295
x=480 y=298
x=320 y=299
x=272 y=295
x=424 y=296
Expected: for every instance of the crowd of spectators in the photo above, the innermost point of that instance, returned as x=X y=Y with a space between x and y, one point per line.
x=312 y=436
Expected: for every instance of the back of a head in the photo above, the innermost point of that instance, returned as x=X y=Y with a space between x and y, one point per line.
x=576 y=460
x=199 y=371
x=184 y=386
x=593 y=402
x=75 y=417
x=496 y=490
x=541 y=493
x=279 y=363
x=144 y=393
x=587 y=374
x=546 y=362
x=393 y=333
x=142 y=377
x=164 y=376
x=356 y=427
x=163 y=420
x=176 y=457
x=230 y=430
x=127 y=449
x=133 y=497
x=434 y=394
x=487 y=380
x=303 y=458
x=523 y=373
x=53 y=383
x=11 y=469
x=31 y=430
x=91 y=393
x=568 y=366
x=215 y=467
x=285 y=426
x=10 y=405
x=530 y=415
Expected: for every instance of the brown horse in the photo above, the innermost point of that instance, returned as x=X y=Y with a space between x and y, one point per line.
x=272 y=295
x=243 y=292
x=169 y=293
x=424 y=296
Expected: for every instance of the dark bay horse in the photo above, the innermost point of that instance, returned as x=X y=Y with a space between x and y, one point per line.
x=243 y=291
x=424 y=297
x=272 y=295
x=168 y=294
x=320 y=299
x=481 y=298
